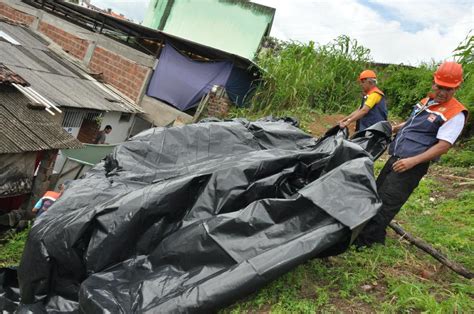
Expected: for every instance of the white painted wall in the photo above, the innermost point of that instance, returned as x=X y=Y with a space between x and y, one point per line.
x=73 y=131
x=60 y=159
x=119 y=134
x=120 y=130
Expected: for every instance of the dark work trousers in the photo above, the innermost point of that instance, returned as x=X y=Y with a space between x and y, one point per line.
x=394 y=189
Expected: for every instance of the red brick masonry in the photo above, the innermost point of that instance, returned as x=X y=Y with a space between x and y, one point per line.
x=73 y=45
x=124 y=74
x=15 y=15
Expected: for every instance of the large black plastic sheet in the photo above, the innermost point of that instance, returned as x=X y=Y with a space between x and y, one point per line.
x=192 y=218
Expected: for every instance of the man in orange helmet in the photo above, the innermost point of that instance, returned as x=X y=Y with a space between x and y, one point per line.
x=434 y=125
x=372 y=108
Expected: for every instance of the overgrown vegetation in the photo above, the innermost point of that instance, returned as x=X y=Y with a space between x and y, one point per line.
x=405 y=86
x=324 y=79
x=460 y=156
x=465 y=55
x=309 y=76
x=11 y=250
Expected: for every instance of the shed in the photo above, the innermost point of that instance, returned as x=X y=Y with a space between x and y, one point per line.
x=28 y=136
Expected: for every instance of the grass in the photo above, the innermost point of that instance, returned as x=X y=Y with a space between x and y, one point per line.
x=321 y=77
x=462 y=156
x=11 y=250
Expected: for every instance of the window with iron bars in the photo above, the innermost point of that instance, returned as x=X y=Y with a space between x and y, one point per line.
x=74 y=118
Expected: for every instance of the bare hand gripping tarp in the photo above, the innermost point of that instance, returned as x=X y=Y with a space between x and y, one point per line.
x=190 y=219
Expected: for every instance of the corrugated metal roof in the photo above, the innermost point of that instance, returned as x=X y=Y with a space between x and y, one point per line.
x=54 y=77
x=33 y=59
x=24 y=129
x=7 y=76
x=24 y=36
x=69 y=91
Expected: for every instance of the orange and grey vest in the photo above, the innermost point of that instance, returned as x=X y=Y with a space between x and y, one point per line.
x=52 y=195
x=421 y=129
x=376 y=114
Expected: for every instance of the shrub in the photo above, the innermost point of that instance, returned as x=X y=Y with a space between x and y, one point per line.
x=465 y=54
x=405 y=86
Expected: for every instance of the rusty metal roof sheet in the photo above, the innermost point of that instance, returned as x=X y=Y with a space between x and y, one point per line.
x=7 y=76
x=24 y=129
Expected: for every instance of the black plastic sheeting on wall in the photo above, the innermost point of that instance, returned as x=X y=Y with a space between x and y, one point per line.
x=190 y=219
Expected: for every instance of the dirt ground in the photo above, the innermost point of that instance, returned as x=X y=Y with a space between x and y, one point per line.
x=323 y=123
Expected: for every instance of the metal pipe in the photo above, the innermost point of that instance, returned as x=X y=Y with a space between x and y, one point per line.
x=29 y=95
x=48 y=110
x=45 y=100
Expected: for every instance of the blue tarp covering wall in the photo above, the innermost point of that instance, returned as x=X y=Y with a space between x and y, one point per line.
x=182 y=82
x=239 y=85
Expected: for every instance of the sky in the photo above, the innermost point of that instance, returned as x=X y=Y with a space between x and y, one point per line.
x=396 y=31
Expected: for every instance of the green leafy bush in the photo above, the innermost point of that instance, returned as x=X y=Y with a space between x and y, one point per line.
x=465 y=53
x=461 y=156
x=405 y=86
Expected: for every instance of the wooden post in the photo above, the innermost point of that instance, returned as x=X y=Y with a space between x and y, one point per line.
x=41 y=181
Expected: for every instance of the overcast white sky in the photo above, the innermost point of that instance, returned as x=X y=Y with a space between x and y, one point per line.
x=396 y=31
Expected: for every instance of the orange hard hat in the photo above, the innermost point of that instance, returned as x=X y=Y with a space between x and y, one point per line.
x=367 y=74
x=448 y=74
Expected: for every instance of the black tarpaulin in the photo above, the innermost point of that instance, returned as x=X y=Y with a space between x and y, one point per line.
x=192 y=218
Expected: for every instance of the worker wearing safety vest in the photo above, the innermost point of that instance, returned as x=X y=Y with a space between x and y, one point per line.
x=434 y=125
x=47 y=200
x=372 y=108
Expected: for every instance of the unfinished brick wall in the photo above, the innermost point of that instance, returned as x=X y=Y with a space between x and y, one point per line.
x=73 y=45
x=218 y=106
x=15 y=15
x=124 y=74
x=88 y=131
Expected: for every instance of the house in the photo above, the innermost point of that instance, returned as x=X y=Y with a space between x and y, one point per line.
x=234 y=26
x=128 y=58
x=29 y=141
x=87 y=105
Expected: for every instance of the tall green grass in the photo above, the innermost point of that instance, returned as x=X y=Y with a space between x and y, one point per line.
x=309 y=76
x=465 y=54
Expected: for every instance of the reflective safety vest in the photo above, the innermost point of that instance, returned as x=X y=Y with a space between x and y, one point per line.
x=376 y=114
x=52 y=195
x=421 y=129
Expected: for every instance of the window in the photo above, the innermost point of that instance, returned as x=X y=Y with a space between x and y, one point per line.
x=73 y=118
x=125 y=117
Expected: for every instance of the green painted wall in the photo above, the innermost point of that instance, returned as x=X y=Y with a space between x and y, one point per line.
x=233 y=26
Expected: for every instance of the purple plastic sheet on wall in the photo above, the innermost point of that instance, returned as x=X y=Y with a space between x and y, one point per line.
x=182 y=82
